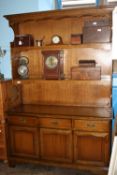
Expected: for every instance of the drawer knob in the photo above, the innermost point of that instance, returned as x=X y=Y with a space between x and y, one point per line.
x=0 y=131
x=23 y=120
x=54 y=122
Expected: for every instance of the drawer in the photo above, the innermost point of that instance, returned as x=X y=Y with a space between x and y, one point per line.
x=55 y=123
x=22 y=120
x=91 y=125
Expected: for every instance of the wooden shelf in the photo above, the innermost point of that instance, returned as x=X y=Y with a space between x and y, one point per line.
x=103 y=79
x=104 y=46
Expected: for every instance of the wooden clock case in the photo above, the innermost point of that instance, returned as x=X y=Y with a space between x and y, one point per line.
x=53 y=72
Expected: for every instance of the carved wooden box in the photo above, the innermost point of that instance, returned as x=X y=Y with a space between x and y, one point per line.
x=98 y=34
x=23 y=40
x=86 y=73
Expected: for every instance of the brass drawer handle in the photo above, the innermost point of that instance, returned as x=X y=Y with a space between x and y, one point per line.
x=3 y=121
x=91 y=125
x=54 y=122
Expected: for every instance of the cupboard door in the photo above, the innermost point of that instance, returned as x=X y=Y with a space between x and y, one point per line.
x=91 y=148
x=2 y=153
x=23 y=141
x=2 y=143
x=56 y=144
x=1 y=135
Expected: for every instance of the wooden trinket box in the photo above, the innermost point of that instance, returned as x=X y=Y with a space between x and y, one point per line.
x=97 y=30
x=23 y=40
x=97 y=34
x=86 y=73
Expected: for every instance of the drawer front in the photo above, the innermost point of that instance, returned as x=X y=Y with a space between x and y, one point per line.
x=22 y=120
x=1 y=135
x=55 y=123
x=92 y=125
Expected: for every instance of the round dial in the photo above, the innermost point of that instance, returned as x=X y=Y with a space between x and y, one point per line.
x=23 y=70
x=56 y=39
x=23 y=60
x=51 y=62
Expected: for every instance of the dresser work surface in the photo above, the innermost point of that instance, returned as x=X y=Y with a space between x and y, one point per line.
x=68 y=111
x=58 y=135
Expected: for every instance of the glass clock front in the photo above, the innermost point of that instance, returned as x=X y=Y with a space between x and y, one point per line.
x=51 y=62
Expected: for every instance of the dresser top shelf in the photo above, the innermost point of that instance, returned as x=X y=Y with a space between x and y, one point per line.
x=58 y=14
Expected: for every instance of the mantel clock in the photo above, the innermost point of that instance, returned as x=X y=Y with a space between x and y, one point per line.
x=53 y=64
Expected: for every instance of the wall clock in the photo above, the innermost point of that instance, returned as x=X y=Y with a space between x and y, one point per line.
x=22 y=68
x=53 y=64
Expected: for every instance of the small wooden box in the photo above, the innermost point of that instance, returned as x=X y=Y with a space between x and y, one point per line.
x=23 y=40
x=97 y=34
x=76 y=39
x=86 y=73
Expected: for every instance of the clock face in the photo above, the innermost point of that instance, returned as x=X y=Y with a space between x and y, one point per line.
x=51 y=62
x=55 y=39
x=23 y=60
x=23 y=70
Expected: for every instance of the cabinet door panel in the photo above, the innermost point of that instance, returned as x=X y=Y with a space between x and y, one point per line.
x=2 y=143
x=1 y=135
x=23 y=141
x=2 y=153
x=56 y=144
x=91 y=148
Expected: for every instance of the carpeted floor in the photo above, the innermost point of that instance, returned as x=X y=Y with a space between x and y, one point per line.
x=29 y=169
